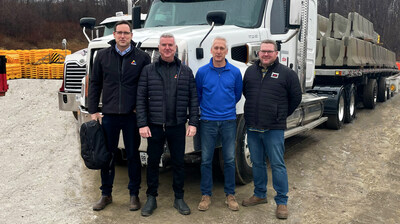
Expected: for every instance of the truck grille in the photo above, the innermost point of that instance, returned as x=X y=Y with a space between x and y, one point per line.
x=153 y=52
x=73 y=75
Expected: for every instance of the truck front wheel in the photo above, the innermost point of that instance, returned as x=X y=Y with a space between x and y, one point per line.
x=244 y=173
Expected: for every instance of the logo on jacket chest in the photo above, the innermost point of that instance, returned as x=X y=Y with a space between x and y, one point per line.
x=274 y=75
x=133 y=62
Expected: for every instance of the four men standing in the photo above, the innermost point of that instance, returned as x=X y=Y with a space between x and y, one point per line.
x=167 y=98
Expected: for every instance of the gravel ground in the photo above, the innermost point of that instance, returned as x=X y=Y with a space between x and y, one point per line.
x=347 y=176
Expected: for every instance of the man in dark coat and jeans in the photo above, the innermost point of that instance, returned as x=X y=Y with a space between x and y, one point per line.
x=166 y=93
x=272 y=93
x=116 y=73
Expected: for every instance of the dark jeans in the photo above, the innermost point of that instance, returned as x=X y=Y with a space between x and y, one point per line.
x=112 y=125
x=175 y=136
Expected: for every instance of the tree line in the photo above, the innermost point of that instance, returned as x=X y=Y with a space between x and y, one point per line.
x=30 y=24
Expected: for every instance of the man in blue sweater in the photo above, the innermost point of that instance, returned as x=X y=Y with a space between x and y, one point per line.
x=219 y=87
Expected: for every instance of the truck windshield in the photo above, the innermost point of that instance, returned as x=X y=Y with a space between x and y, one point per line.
x=193 y=12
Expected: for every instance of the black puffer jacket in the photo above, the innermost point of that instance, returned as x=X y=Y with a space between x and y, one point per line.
x=117 y=76
x=271 y=100
x=151 y=101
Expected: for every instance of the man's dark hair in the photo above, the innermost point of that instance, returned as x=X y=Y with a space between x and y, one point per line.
x=123 y=22
x=270 y=42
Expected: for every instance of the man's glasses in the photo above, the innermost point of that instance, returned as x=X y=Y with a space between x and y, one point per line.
x=121 y=32
x=266 y=52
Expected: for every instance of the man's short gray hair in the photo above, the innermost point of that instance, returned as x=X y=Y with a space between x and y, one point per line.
x=167 y=35
x=220 y=38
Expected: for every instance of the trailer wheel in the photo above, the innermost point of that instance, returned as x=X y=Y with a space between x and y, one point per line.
x=382 y=90
x=335 y=121
x=244 y=173
x=350 y=110
x=370 y=94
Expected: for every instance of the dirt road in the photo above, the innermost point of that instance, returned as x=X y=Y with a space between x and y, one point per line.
x=347 y=176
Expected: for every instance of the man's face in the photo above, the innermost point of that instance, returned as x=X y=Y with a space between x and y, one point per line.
x=167 y=48
x=123 y=36
x=267 y=54
x=219 y=50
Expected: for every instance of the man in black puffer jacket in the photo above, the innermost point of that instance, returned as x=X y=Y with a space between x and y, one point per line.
x=166 y=92
x=272 y=93
x=116 y=71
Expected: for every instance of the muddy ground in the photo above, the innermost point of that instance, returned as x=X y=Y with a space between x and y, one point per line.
x=347 y=176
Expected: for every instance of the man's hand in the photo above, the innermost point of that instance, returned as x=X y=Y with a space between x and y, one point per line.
x=145 y=132
x=97 y=116
x=191 y=131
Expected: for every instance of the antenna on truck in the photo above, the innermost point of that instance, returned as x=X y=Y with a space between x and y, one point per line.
x=214 y=18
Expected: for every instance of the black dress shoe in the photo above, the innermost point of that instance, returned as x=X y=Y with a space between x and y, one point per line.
x=181 y=206
x=150 y=206
x=134 y=203
x=102 y=203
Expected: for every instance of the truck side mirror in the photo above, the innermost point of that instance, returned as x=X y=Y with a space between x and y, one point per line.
x=216 y=17
x=136 y=17
x=87 y=22
x=295 y=12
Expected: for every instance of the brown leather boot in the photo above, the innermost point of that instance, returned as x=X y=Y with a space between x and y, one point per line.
x=134 y=203
x=253 y=200
x=232 y=203
x=282 y=212
x=204 y=203
x=102 y=203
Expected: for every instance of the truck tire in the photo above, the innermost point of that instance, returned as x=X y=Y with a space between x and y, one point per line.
x=382 y=90
x=244 y=172
x=350 y=109
x=389 y=93
x=370 y=94
x=75 y=113
x=335 y=121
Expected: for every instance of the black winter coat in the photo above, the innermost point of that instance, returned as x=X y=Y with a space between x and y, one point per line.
x=270 y=100
x=151 y=100
x=117 y=76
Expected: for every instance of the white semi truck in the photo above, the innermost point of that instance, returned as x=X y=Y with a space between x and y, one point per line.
x=338 y=59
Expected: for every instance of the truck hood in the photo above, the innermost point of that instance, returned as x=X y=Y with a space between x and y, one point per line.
x=184 y=32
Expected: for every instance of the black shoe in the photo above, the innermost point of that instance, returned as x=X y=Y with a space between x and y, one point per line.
x=150 y=206
x=181 y=206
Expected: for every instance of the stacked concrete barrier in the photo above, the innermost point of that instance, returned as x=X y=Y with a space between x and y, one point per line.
x=350 y=42
x=35 y=64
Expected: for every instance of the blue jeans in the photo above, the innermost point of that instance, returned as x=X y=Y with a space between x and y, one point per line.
x=269 y=144
x=209 y=132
